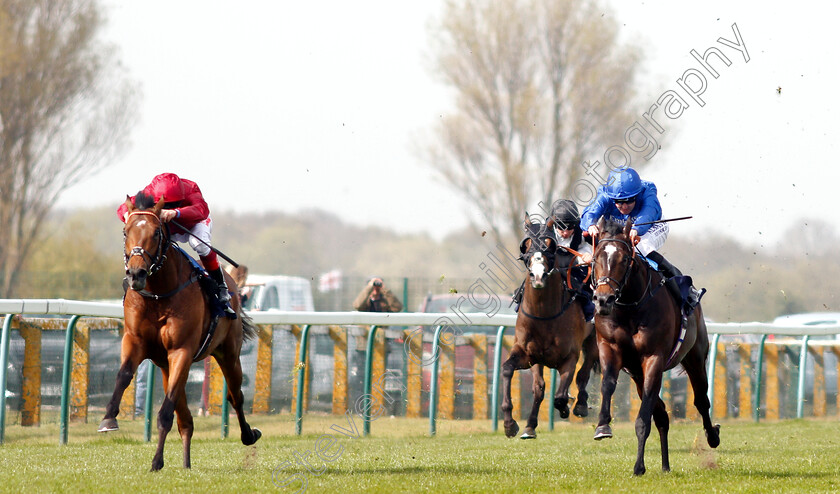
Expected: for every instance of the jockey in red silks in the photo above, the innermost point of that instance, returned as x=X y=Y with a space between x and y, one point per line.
x=184 y=203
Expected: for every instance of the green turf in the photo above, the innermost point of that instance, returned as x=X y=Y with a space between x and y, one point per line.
x=398 y=456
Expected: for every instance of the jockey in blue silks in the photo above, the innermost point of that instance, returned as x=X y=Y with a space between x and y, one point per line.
x=626 y=195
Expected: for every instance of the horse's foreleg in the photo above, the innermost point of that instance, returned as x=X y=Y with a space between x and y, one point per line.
x=538 y=387
x=131 y=356
x=610 y=364
x=232 y=370
x=174 y=384
x=513 y=363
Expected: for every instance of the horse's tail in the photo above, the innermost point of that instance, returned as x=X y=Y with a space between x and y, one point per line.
x=249 y=329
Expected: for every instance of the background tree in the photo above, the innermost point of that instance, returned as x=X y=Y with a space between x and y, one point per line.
x=539 y=87
x=66 y=108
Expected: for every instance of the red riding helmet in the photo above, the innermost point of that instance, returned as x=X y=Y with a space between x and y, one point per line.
x=168 y=186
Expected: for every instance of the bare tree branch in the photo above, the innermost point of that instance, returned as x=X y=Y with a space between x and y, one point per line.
x=66 y=109
x=540 y=86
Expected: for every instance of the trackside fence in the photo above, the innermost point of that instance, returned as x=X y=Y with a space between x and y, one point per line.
x=65 y=355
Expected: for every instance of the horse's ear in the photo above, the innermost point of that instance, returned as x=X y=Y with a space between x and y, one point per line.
x=628 y=226
x=601 y=224
x=128 y=204
x=549 y=223
x=527 y=218
x=158 y=207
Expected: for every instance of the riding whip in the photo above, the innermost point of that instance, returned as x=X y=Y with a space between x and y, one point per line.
x=217 y=251
x=663 y=221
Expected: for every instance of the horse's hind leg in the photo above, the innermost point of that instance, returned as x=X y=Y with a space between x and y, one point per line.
x=590 y=358
x=695 y=367
x=175 y=374
x=232 y=370
x=660 y=418
x=185 y=426
x=131 y=356
x=539 y=394
x=648 y=386
x=566 y=371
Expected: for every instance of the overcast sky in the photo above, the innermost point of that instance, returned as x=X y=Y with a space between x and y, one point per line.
x=291 y=105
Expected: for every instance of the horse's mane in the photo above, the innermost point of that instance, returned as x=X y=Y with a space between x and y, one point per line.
x=143 y=201
x=612 y=227
x=537 y=230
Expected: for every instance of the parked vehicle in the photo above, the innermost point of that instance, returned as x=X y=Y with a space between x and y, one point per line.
x=278 y=292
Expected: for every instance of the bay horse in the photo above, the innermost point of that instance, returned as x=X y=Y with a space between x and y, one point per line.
x=640 y=329
x=550 y=331
x=169 y=319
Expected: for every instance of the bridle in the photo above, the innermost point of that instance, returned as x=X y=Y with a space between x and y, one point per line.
x=156 y=262
x=617 y=285
x=545 y=254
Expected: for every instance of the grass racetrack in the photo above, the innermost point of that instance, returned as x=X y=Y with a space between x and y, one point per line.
x=399 y=456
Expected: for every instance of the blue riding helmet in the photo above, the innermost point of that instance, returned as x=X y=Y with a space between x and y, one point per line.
x=623 y=183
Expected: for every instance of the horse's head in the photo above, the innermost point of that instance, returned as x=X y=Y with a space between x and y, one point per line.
x=145 y=240
x=538 y=250
x=613 y=260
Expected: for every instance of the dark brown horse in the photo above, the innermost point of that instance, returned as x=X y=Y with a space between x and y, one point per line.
x=168 y=319
x=640 y=330
x=550 y=331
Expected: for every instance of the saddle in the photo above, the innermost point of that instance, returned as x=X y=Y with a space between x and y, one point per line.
x=208 y=286
x=681 y=288
x=199 y=274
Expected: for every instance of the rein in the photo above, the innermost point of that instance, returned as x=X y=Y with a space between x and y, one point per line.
x=571 y=266
x=555 y=316
x=156 y=262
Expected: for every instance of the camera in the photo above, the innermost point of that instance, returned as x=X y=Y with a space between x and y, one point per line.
x=377 y=283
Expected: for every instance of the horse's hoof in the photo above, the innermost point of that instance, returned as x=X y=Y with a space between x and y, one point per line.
x=714 y=439
x=512 y=430
x=603 y=432
x=528 y=434
x=581 y=410
x=564 y=413
x=255 y=436
x=108 y=425
x=639 y=471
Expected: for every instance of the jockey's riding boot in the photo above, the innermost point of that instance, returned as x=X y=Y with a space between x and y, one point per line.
x=588 y=307
x=224 y=294
x=670 y=271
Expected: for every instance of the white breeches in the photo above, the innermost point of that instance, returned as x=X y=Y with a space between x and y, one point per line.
x=201 y=230
x=653 y=239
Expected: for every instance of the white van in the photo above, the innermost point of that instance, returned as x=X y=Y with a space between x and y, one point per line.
x=278 y=292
